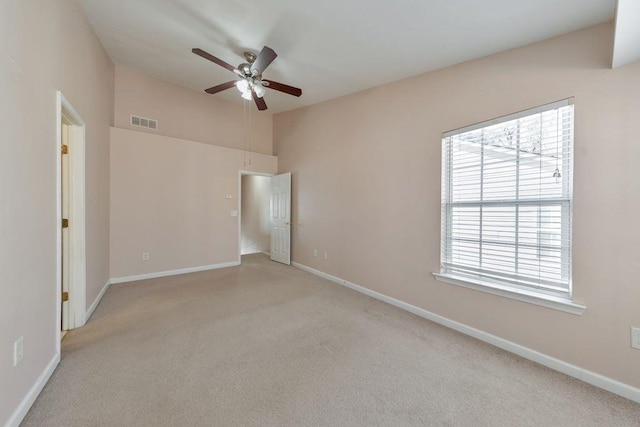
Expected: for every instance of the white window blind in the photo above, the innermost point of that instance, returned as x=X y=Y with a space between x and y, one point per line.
x=506 y=200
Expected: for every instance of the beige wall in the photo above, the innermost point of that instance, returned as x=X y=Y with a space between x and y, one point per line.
x=45 y=46
x=168 y=198
x=366 y=174
x=188 y=114
x=255 y=214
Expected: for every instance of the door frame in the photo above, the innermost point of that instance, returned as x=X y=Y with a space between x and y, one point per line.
x=240 y=174
x=77 y=234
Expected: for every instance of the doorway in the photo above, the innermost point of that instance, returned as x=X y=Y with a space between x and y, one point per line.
x=254 y=214
x=70 y=214
x=265 y=225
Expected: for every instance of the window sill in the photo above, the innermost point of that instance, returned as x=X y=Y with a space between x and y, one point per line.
x=555 y=303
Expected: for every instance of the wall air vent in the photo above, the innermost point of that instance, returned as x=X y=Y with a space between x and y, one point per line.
x=143 y=122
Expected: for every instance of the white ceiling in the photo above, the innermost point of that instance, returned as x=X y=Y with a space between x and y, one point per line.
x=329 y=48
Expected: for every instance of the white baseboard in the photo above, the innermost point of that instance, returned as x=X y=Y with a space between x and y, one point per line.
x=266 y=253
x=126 y=279
x=609 y=384
x=24 y=406
x=96 y=302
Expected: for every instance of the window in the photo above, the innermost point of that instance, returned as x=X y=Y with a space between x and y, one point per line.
x=506 y=201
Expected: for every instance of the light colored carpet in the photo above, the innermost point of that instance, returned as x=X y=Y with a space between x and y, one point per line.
x=264 y=344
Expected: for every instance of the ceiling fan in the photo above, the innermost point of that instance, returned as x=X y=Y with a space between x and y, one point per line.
x=251 y=84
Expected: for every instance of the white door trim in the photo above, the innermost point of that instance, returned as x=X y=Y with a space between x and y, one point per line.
x=240 y=174
x=77 y=236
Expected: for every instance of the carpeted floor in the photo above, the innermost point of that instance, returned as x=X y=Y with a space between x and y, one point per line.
x=264 y=344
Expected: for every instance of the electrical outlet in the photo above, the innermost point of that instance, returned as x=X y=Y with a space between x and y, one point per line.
x=315 y=253
x=145 y=256
x=635 y=338
x=325 y=255
x=18 y=351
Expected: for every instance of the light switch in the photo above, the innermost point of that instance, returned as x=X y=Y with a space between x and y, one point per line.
x=234 y=213
x=228 y=196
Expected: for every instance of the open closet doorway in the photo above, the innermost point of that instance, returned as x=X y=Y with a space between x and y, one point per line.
x=255 y=214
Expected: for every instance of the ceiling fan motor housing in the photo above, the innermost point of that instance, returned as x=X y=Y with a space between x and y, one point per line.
x=250 y=57
x=245 y=69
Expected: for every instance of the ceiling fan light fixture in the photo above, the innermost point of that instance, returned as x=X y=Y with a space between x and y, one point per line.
x=242 y=86
x=247 y=95
x=259 y=90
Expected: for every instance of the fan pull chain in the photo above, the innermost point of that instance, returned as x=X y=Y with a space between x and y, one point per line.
x=249 y=134
x=244 y=133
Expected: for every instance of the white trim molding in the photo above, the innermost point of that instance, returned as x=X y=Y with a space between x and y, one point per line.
x=96 y=302
x=125 y=279
x=523 y=295
x=21 y=411
x=609 y=384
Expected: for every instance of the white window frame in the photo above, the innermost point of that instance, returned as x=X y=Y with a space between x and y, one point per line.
x=558 y=300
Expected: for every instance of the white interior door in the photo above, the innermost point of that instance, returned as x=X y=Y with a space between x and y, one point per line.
x=66 y=241
x=281 y=218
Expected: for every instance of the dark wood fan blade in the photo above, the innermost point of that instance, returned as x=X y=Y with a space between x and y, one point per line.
x=220 y=88
x=265 y=57
x=283 y=88
x=259 y=101
x=213 y=59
